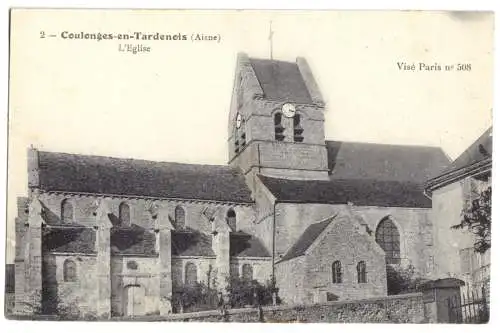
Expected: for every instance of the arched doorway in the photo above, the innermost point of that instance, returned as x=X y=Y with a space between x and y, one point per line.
x=133 y=301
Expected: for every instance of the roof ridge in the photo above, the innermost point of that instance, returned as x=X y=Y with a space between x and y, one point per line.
x=384 y=144
x=134 y=159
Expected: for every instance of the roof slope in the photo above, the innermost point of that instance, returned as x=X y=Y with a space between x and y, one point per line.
x=133 y=240
x=361 y=192
x=191 y=243
x=245 y=245
x=355 y=160
x=69 y=239
x=306 y=239
x=281 y=80
x=108 y=175
x=480 y=150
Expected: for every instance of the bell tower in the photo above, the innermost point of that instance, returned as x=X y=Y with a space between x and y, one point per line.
x=276 y=120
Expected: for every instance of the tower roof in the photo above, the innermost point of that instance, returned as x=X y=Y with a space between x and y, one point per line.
x=281 y=80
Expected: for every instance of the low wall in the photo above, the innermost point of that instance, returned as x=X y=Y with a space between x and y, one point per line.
x=408 y=308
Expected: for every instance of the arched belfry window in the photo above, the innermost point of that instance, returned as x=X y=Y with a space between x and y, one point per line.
x=69 y=270
x=247 y=272
x=387 y=236
x=67 y=212
x=361 y=268
x=124 y=214
x=231 y=219
x=337 y=272
x=191 y=274
x=279 y=130
x=179 y=218
x=297 y=129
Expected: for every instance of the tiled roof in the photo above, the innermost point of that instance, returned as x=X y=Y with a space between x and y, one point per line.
x=107 y=175
x=306 y=239
x=132 y=240
x=245 y=245
x=480 y=150
x=69 y=239
x=360 y=192
x=281 y=80
x=355 y=160
x=191 y=243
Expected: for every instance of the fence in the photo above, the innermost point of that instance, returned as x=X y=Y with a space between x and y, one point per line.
x=470 y=306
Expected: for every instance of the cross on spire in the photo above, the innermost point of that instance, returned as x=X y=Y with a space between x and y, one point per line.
x=271 y=39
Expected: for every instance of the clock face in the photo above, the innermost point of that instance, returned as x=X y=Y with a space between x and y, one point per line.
x=238 y=121
x=288 y=110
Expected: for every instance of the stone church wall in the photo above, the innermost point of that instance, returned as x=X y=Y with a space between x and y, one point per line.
x=205 y=269
x=414 y=225
x=415 y=230
x=134 y=271
x=70 y=297
x=291 y=286
x=84 y=206
x=262 y=268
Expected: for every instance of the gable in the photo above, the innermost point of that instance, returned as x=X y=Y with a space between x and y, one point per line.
x=480 y=150
x=345 y=228
x=309 y=235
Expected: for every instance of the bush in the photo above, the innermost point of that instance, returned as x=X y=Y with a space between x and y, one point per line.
x=402 y=280
x=192 y=298
x=250 y=293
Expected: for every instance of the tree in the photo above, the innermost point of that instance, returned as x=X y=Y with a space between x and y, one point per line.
x=476 y=218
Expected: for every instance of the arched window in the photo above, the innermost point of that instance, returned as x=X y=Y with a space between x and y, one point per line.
x=180 y=218
x=124 y=214
x=69 y=270
x=297 y=129
x=337 y=272
x=247 y=272
x=361 y=268
x=231 y=219
x=67 y=211
x=191 y=275
x=387 y=236
x=278 y=127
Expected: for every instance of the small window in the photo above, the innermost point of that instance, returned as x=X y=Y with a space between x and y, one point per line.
x=361 y=268
x=124 y=214
x=278 y=127
x=191 y=276
x=247 y=272
x=67 y=212
x=297 y=129
x=337 y=272
x=69 y=270
x=231 y=219
x=180 y=218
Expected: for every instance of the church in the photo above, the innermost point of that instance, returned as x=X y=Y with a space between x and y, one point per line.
x=320 y=218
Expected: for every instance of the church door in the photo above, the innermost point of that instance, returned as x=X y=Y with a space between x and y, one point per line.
x=133 y=300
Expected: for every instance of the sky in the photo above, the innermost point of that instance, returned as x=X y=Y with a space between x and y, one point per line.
x=172 y=103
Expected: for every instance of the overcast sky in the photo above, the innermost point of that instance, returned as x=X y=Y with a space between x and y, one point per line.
x=172 y=104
